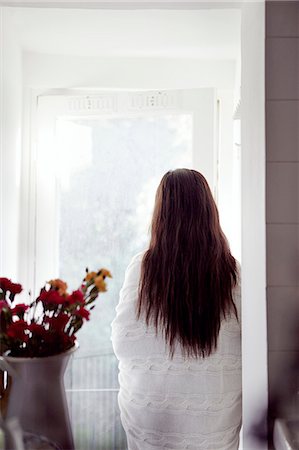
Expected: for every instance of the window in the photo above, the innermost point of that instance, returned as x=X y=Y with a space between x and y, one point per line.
x=96 y=184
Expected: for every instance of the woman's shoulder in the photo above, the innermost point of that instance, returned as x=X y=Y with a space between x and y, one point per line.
x=135 y=262
x=132 y=274
x=136 y=259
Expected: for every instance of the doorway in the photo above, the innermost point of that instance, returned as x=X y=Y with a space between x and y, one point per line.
x=38 y=75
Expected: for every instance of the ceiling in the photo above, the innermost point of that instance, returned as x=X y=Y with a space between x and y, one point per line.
x=199 y=34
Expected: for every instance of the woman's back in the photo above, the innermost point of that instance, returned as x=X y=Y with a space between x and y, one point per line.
x=180 y=402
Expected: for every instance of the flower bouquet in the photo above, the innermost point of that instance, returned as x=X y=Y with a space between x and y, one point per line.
x=47 y=325
x=36 y=342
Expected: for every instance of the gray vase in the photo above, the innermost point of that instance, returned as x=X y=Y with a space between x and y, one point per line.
x=37 y=397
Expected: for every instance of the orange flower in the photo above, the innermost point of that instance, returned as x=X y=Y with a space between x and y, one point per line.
x=59 y=285
x=105 y=273
x=97 y=278
x=90 y=276
x=100 y=284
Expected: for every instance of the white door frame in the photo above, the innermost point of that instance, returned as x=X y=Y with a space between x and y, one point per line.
x=254 y=341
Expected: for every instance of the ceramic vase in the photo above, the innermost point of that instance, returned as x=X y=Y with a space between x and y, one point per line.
x=37 y=396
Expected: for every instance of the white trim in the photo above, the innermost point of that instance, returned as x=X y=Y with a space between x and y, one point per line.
x=27 y=232
x=123 y=4
x=254 y=320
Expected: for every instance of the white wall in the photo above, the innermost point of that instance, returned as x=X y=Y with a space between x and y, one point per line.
x=56 y=71
x=254 y=337
x=11 y=104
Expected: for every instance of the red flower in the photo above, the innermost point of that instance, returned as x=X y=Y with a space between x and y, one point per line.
x=67 y=341
x=5 y=284
x=51 y=297
x=8 y=285
x=15 y=288
x=37 y=329
x=75 y=297
x=59 y=322
x=19 y=309
x=82 y=312
x=16 y=330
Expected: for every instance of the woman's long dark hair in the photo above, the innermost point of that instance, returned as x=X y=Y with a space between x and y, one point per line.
x=188 y=272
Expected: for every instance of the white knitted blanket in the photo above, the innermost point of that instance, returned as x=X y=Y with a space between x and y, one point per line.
x=180 y=403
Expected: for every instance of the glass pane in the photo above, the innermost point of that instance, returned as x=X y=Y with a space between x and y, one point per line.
x=109 y=169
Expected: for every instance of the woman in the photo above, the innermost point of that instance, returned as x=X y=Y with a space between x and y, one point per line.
x=177 y=330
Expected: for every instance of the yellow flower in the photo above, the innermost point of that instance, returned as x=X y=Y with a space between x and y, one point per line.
x=90 y=276
x=105 y=273
x=97 y=278
x=100 y=283
x=59 y=285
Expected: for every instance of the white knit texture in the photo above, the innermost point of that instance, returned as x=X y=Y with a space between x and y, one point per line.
x=180 y=403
